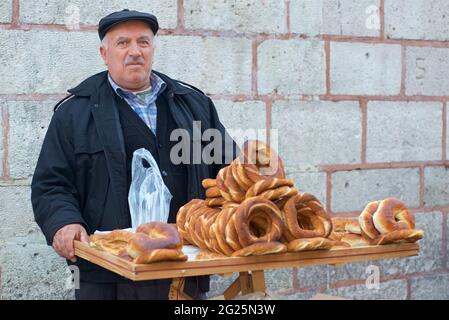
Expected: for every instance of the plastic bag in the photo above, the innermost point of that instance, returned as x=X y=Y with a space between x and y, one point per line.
x=149 y=198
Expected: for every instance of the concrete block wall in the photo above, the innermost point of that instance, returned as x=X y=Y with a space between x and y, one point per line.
x=353 y=91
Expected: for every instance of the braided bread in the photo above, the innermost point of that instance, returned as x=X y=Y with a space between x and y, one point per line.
x=305 y=217
x=260 y=161
x=161 y=255
x=219 y=230
x=391 y=215
x=209 y=183
x=345 y=224
x=153 y=241
x=272 y=189
x=398 y=236
x=231 y=234
x=263 y=214
x=213 y=192
x=237 y=193
x=262 y=248
x=182 y=215
x=356 y=240
x=215 y=202
x=208 y=255
x=340 y=245
x=114 y=242
x=153 y=235
x=221 y=176
x=239 y=174
x=366 y=220
x=305 y=244
x=337 y=235
x=388 y=221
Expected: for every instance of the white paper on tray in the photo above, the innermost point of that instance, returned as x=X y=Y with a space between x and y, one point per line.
x=191 y=251
x=104 y=232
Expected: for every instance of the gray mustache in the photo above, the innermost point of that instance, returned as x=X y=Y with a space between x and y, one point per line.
x=134 y=60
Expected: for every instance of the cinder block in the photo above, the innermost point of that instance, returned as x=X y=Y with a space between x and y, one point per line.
x=16 y=214
x=353 y=190
x=307 y=295
x=404 y=131
x=447 y=133
x=431 y=287
x=2 y=103
x=34 y=272
x=373 y=69
x=279 y=279
x=245 y=120
x=218 y=284
x=426 y=71
x=312 y=133
x=313 y=277
x=5 y=11
x=416 y=19
x=46 y=61
x=436 y=186
x=241 y=16
x=291 y=67
x=335 y=17
x=28 y=122
x=215 y=65
x=310 y=181
x=390 y=290
x=73 y=12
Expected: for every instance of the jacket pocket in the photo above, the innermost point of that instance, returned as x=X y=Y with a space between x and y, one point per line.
x=86 y=145
x=92 y=180
x=93 y=214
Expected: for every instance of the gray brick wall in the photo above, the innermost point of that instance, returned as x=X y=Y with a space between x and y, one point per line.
x=71 y=12
x=5 y=11
x=436 y=186
x=240 y=16
x=352 y=190
x=299 y=123
x=216 y=65
x=404 y=131
x=372 y=69
x=279 y=74
x=422 y=20
x=357 y=96
x=28 y=122
x=335 y=17
x=2 y=107
x=426 y=71
x=52 y=69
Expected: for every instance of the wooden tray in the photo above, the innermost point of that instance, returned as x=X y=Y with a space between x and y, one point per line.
x=162 y=270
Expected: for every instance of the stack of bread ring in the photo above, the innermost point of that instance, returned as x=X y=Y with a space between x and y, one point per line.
x=152 y=242
x=388 y=221
x=251 y=208
x=346 y=233
x=381 y=222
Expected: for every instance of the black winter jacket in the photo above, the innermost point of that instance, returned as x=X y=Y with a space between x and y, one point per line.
x=80 y=175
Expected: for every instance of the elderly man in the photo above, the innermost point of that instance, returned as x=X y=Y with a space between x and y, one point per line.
x=83 y=174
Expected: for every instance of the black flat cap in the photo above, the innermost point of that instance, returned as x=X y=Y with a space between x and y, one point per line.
x=115 y=18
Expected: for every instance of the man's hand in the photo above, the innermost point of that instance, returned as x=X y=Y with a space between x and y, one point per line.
x=63 y=240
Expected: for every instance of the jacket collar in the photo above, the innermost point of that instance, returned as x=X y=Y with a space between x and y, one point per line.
x=91 y=85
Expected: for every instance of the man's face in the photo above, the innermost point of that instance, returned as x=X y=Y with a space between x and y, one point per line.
x=129 y=54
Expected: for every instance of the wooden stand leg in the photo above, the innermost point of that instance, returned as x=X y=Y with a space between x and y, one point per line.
x=258 y=281
x=177 y=290
x=233 y=290
x=246 y=283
